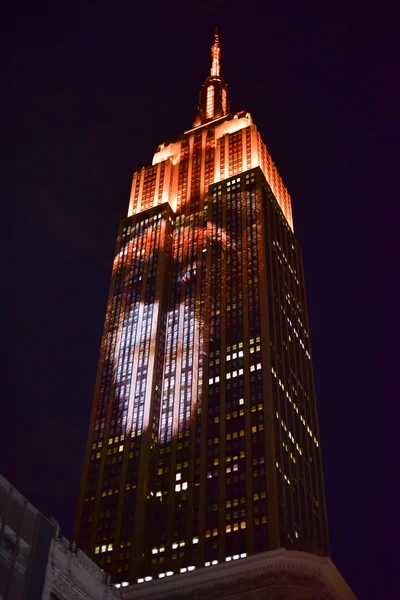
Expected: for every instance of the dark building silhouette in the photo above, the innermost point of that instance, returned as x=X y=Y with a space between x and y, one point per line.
x=25 y=541
x=203 y=442
x=36 y=563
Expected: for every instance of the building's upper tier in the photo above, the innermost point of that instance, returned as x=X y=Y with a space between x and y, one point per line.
x=219 y=146
x=183 y=169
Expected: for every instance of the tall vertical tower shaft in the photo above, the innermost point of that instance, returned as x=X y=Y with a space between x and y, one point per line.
x=203 y=440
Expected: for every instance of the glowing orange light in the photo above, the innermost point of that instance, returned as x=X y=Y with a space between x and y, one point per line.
x=210 y=102
x=215 y=54
x=224 y=101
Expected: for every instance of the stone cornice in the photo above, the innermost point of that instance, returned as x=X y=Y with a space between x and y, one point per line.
x=277 y=568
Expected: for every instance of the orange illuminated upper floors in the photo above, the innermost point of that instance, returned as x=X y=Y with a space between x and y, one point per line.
x=201 y=157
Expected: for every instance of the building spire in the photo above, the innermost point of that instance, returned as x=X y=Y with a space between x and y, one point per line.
x=213 y=101
x=215 y=54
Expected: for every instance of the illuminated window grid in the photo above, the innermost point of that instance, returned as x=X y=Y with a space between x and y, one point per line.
x=112 y=321
x=248 y=147
x=149 y=185
x=235 y=153
x=210 y=102
x=212 y=481
x=120 y=376
x=221 y=143
x=302 y=373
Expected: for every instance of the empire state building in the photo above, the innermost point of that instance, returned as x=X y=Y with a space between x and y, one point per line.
x=203 y=442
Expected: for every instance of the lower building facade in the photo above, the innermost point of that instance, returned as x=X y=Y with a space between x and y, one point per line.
x=275 y=575
x=36 y=563
x=25 y=540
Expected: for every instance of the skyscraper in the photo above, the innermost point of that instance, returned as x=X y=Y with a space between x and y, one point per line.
x=203 y=440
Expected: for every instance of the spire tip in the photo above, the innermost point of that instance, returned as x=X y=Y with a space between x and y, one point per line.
x=215 y=54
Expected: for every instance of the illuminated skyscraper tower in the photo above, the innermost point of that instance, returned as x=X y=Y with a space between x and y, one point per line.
x=203 y=441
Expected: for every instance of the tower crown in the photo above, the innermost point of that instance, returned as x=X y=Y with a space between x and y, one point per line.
x=213 y=98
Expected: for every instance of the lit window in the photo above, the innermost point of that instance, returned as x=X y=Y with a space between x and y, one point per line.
x=210 y=102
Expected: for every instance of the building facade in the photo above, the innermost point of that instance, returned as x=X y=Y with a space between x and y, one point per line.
x=71 y=575
x=276 y=574
x=36 y=563
x=25 y=539
x=203 y=441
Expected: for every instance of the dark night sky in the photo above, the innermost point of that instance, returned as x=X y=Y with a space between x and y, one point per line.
x=89 y=91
